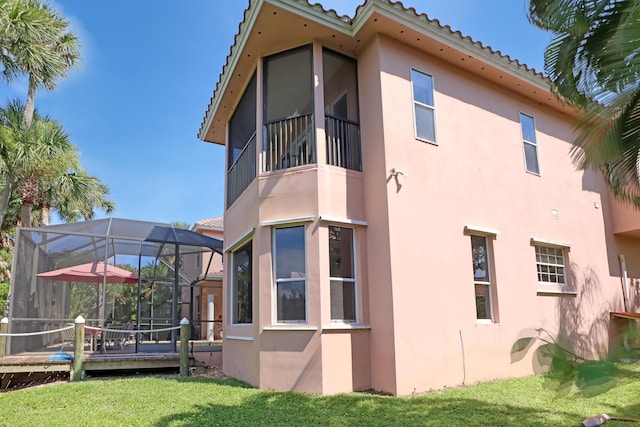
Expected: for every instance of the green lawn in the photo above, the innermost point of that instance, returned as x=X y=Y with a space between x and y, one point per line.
x=172 y=401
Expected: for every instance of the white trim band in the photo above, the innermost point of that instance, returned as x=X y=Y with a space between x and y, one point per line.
x=237 y=338
x=345 y=327
x=287 y=221
x=239 y=240
x=343 y=220
x=472 y=229
x=289 y=328
x=537 y=241
x=556 y=293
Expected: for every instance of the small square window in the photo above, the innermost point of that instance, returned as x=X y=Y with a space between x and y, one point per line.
x=550 y=263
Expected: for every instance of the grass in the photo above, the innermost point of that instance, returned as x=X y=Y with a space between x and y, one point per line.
x=189 y=402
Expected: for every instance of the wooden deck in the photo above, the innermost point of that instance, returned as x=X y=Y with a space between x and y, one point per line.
x=38 y=362
x=127 y=361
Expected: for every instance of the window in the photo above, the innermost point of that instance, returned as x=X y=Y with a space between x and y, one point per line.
x=482 y=277
x=342 y=274
x=241 y=291
x=423 y=107
x=530 y=146
x=551 y=265
x=290 y=274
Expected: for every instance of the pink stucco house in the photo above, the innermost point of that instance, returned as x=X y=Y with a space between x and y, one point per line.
x=401 y=206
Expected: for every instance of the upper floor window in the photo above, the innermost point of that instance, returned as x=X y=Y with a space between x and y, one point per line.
x=530 y=145
x=241 y=289
x=423 y=106
x=289 y=261
x=550 y=263
x=342 y=274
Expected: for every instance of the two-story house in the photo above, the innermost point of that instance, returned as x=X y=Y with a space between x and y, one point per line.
x=401 y=206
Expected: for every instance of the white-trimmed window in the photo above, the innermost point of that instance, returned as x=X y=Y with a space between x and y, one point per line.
x=289 y=261
x=342 y=274
x=482 y=282
x=241 y=286
x=551 y=266
x=423 y=106
x=530 y=146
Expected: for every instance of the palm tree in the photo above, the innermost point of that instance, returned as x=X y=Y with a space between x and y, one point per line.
x=46 y=155
x=44 y=167
x=593 y=62
x=35 y=41
x=14 y=130
x=76 y=195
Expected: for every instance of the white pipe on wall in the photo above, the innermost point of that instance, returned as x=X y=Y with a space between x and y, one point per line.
x=625 y=283
x=210 y=307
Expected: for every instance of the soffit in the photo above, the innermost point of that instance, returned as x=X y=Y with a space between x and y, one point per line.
x=272 y=26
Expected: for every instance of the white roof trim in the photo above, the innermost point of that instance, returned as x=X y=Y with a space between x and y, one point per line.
x=420 y=23
x=283 y=221
x=240 y=40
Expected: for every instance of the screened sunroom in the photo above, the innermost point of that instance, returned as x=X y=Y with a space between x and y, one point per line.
x=115 y=273
x=288 y=119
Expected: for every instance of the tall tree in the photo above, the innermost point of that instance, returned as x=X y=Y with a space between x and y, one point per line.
x=12 y=124
x=44 y=158
x=76 y=195
x=43 y=165
x=35 y=41
x=593 y=62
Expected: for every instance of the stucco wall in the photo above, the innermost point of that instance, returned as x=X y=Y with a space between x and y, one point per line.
x=416 y=296
x=476 y=176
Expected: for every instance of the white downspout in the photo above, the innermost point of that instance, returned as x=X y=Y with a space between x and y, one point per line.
x=210 y=306
x=625 y=283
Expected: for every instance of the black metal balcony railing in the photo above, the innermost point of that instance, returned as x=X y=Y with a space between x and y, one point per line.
x=242 y=172
x=343 y=143
x=288 y=143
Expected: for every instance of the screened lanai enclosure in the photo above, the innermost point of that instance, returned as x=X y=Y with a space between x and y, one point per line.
x=124 y=275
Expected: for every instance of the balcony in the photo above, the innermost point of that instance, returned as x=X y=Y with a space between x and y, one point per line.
x=343 y=143
x=289 y=143
x=242 y=172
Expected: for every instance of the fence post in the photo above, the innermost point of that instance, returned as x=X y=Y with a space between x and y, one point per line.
x=184 y=347
x=77 y=373
x=4 y=328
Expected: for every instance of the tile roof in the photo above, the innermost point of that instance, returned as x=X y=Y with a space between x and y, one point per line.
x=215 y=222
x=410 y=12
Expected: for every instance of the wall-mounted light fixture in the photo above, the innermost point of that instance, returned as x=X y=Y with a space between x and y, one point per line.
x=395 y=172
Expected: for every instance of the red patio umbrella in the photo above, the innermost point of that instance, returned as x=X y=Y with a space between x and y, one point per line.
x=93 y=272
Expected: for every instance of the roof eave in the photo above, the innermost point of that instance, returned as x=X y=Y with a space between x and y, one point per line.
x=316 y=12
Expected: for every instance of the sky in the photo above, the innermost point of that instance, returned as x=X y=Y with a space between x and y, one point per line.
x=135 y=103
